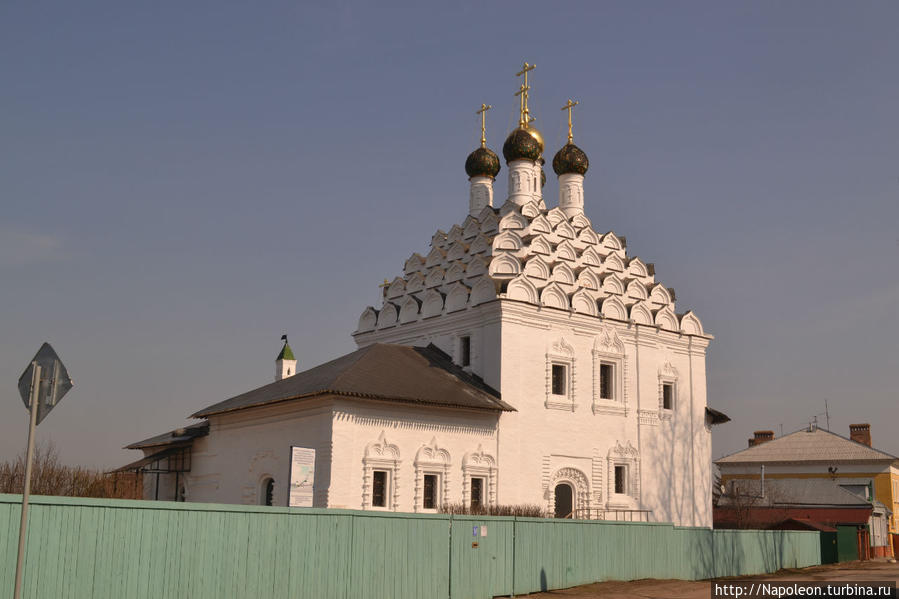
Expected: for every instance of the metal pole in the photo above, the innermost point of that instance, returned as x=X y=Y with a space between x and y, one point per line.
x=20 y=560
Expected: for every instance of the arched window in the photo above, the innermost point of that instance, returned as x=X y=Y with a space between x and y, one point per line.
x=267 y=491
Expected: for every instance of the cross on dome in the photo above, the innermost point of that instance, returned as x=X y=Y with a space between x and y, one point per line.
x=483 y=113
x=568 y=107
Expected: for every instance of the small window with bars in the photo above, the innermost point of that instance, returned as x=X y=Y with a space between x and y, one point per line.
x=429 y=497
x=379 y=488
x=477 y=492
x=621 y=480
x=465 y=351
x=668 y=396
x=606 y=381
x=559 y=379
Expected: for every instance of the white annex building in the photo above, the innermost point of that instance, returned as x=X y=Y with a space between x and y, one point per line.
x=524 y=358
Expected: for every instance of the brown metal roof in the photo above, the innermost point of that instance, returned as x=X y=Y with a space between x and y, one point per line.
x=817 y=445
x=179 y=436
x=401 y=373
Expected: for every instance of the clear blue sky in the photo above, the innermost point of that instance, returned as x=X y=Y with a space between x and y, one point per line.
x=183 y=182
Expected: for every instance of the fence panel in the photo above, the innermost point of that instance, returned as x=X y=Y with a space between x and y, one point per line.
x=144 y=549
x=481 y=565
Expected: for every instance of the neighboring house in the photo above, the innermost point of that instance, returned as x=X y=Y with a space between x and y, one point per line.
x=801 y=504
x=524 y=358
x=852 y=464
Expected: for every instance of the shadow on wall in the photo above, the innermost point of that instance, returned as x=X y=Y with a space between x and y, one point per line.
x=722 y=553
x=668 y=455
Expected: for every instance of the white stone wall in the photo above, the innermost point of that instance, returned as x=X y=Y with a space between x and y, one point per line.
x=408 y=441
x=668 y=452
x=481 y=323
x=245 y=447
x=669 y=448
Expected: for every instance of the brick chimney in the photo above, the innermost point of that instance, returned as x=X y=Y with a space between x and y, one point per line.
x=860 y=433
x=761 y=437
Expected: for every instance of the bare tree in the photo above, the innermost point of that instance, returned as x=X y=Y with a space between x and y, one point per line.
x=50 y=477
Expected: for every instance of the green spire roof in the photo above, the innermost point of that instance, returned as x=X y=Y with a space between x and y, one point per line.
x=286 y=352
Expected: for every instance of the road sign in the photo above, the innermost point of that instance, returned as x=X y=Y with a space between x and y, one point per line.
x=42 y=385
x=54 y=381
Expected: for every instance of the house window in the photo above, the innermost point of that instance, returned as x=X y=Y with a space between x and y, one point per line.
x=621 y=480
x=668 y=396
x=429 y=501
x=379 y=488
x=465 y=351
x=606 y=381
x=267 y=491
x=477 y=492
x=559 y=379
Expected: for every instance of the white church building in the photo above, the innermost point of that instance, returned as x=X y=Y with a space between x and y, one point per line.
x=523 y=358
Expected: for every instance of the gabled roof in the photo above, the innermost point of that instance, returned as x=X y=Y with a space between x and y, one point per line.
x=817 y=445
x=387 y=372
x=179 y=436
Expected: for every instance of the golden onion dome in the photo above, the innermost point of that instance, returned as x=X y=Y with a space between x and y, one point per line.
x=536 y=135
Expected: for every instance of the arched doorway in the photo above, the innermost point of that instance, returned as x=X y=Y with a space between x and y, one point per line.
x=564 y=500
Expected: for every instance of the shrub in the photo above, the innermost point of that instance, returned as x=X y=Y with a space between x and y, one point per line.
x=524 y=510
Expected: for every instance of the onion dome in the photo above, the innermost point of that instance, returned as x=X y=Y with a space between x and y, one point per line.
x=522 y=145
x=483 y=162
x=570 y=159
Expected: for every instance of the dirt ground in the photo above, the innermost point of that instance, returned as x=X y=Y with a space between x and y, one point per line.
x=680 y=589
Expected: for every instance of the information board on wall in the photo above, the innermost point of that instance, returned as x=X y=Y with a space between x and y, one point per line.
x=302 y=476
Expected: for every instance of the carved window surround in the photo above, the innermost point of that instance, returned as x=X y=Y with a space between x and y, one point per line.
x=609 y=349
x=627 y=456
x=667 y=376
x=479 y=465
x=431 y=459
x=561 y=353
x=381 y=455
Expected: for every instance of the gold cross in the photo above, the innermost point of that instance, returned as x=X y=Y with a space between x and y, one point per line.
x=525 y=119
x=522 y=94
x=483 y=113
x=568 y=107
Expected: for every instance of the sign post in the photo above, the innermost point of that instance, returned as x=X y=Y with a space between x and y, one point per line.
x=41 y=386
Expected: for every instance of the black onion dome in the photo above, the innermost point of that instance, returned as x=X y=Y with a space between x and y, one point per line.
x=483 y=162
x=521 y=145
x=570 y=159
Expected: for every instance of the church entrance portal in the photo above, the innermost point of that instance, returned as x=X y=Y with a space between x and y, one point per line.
x=564 y=500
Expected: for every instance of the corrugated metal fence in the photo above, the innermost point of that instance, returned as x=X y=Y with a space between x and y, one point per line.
x=97 y=548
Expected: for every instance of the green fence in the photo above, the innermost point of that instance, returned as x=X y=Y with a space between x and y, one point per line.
x=96 y=548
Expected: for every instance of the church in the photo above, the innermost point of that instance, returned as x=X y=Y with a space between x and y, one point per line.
x=525 y=357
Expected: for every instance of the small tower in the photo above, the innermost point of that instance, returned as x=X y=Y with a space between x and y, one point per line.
x=285 y=363
x=523 y=152
x=571 y=164
x=481 y=166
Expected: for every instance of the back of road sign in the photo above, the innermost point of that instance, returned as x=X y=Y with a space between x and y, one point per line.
x=55 y=381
